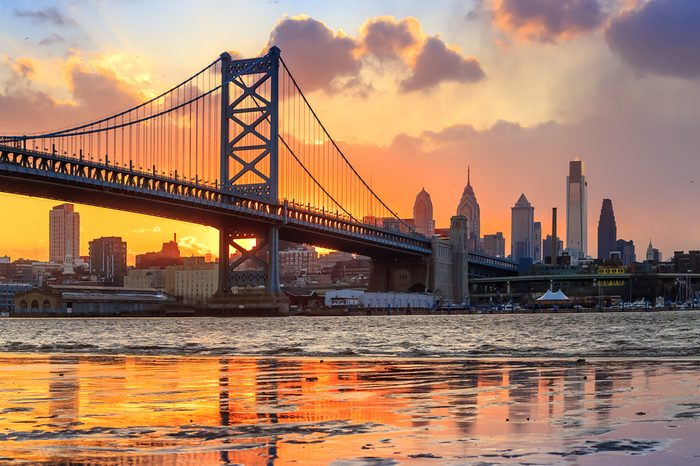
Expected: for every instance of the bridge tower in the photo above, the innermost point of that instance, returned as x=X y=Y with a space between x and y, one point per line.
x=249 y=165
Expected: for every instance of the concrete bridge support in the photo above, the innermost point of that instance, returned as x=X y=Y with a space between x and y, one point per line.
x=444 y=273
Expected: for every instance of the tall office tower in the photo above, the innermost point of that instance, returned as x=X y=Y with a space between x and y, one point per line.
x=537 y=246
x=423 y=214
x=494 y=245
x=607 y=230
x=108 y=259
x=576 y=210
x=64 y=234
x=468 y=207
x=522 y=234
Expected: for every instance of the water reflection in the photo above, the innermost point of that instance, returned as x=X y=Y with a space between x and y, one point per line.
x=264 y=411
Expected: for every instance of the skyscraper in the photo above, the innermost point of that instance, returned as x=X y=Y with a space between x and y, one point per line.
x=537 y=246
x=108 y=259
x=64 y=234
x=522 y=236
x=469 y=207
x=607 y=230
x=494 y=245
x=576 y=210
x=423 y=214
x=626 y=250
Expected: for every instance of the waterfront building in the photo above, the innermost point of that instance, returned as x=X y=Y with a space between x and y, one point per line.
x=168 y=255
x=468 y=207
x=423 y=214
x=576 y=210
x=607 y=230
x=686 y=262
x=90 y=300
x=296 y=262
x=494 y=245
x=653 y=254
x=626 y=250
x=193 y=283
x=547 y=249
x=537 y=247
x=8 y=290
x=145 y=278
x=108 y=259
x=64 y=234
x=522 y=236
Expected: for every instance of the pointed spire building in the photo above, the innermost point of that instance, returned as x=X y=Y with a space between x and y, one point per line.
x=469 y=207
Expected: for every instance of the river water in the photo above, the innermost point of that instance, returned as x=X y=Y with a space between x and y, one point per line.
x=585 y=389
x=616 y=335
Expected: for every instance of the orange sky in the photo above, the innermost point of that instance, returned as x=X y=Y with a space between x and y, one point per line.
x=413 y=93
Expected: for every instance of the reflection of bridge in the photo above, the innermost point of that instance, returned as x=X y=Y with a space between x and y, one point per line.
x=237 y=147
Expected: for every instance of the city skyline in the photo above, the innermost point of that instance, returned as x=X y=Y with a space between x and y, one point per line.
x=509 y=125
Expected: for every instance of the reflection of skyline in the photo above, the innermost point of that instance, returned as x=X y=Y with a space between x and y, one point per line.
x=276 y=410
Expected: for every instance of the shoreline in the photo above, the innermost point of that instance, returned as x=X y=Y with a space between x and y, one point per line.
x=325 y=312
x=572 y=360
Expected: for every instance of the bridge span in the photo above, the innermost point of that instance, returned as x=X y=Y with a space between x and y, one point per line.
x=237 y=146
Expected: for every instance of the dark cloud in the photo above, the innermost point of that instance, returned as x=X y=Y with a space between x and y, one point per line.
x=661 y=37
x=46 y=15
x=388 y=39
x=316 y=55
x=547 y=20
x=437 y=63
x=52 y=39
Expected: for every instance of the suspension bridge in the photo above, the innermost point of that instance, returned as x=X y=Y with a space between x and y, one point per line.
x=236 y=146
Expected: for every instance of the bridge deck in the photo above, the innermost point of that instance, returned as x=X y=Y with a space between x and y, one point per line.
x=74 y=179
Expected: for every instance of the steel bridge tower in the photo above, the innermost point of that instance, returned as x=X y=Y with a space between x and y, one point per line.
x=249 y=164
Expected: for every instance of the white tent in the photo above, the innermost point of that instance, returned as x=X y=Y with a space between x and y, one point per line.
x=550 y=296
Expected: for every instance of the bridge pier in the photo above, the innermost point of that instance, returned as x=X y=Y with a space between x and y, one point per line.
x=249 y=291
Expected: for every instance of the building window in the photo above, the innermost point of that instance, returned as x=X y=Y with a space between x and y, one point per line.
x=46 y=304
x=23 y=305
x=35 y=304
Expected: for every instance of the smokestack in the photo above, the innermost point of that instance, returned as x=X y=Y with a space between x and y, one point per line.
x=175 y=237
x=553 y=245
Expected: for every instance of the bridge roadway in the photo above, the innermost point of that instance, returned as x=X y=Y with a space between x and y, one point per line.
x=75 y=179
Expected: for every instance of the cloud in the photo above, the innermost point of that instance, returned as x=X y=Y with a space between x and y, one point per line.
x=316 y=55
x=155 y=229
x=436 y=63
x=386 y=38
x=189 y=245
x=547 y=20
x=52 y=39
x=94 y=86
x=661 y=37
x=47 y=15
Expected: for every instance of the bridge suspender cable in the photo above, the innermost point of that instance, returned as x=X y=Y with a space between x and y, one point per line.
x=340 y=152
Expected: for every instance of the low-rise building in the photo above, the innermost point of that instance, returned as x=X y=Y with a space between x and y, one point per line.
x=8 y=290
x=145 y=278
x=194 y=284
x=94 y=300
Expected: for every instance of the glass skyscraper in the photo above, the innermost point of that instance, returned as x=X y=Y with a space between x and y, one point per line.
x=576 y=210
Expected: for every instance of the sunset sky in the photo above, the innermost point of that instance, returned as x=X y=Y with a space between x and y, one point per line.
x=414 y=91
